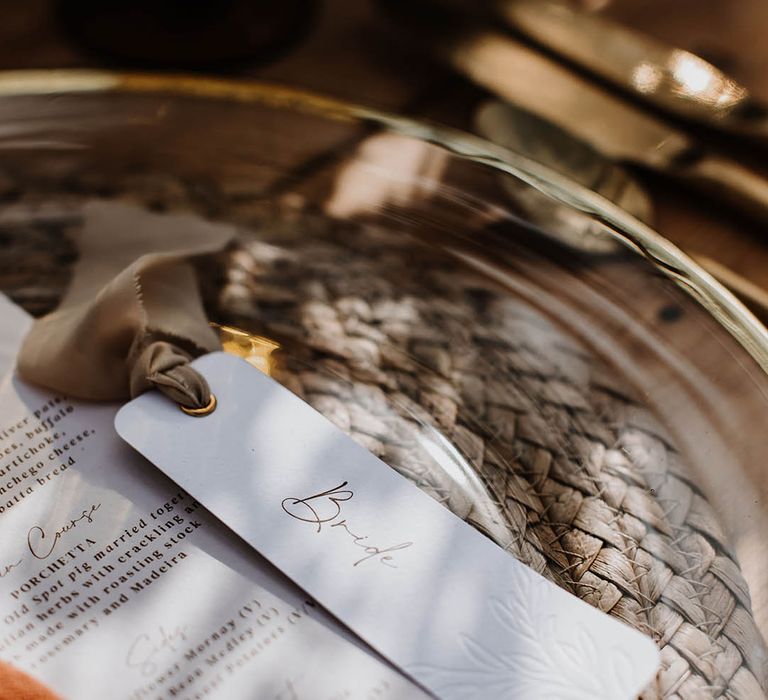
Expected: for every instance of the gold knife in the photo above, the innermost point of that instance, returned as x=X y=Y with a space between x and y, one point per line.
x=675 y=80
x=619 y=130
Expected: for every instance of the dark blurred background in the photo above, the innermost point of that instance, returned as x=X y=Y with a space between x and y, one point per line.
x=363 y=51
x=349 y=47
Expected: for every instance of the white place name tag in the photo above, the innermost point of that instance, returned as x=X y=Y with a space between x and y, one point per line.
x=441 y=601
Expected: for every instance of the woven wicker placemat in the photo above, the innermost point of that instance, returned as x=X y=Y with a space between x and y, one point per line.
x=393 y=341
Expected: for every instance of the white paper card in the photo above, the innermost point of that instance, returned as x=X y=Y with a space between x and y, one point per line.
x=115 y=583
x=430 y=593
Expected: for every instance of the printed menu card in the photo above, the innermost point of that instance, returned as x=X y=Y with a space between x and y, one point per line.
x=116 y=583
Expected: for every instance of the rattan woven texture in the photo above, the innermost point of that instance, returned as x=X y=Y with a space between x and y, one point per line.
x=390 y=339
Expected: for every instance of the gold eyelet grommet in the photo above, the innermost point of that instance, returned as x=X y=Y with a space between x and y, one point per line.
x=199 y=412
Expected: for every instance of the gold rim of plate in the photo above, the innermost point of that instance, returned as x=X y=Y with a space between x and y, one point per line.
x=732 y=315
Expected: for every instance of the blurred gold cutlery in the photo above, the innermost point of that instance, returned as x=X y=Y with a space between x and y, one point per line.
x=655 y=72
x=667 y=77
x=613 y=126
x=619 y=130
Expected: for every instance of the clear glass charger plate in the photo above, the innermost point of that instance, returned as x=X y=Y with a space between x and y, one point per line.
x=550 y=369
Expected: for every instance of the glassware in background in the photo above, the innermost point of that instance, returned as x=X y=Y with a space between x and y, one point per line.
x=597 y=411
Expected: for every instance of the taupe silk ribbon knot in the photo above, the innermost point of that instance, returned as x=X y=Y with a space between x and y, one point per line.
x=132 y=318
x=164 y=366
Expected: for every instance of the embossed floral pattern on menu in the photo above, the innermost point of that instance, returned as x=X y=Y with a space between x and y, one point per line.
x=539 y=662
